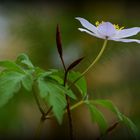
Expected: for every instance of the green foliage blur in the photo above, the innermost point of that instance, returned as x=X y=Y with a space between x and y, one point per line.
x=31 y=28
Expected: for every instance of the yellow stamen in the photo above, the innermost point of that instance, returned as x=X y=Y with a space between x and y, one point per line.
x=117 y=27
x=122 y=28
x=97 y=23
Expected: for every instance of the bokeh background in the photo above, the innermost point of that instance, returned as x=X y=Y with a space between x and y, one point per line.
x=30 y=27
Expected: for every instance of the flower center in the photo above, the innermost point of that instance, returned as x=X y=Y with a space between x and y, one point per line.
x=117 y=27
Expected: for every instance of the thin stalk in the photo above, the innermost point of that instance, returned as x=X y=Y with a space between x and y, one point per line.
x=37 y=100
x=68 y=110
x=43 y=117
x=39 y=128
x=70 y=118
x=63 y=63
x=92 y=64
x=77 y=104
x=68 y=102
x=71 y=108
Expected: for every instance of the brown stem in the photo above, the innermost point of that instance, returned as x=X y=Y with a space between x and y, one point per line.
x=59 y=47
x=68 y=109
x=70 y=118
x=62 y=60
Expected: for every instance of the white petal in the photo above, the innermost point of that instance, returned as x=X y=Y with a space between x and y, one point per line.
x=107 y=29
x=126 y=40
x=87 y=24
x=84 y=30
x=127 y=32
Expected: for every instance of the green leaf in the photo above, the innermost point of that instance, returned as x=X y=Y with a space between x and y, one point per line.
x=131 y=126
x=9 y=85
x=54 y=96
x=27 y=82
x=80 y=84
x=108 y=104
x=24 y=61
x=70 y=93
x=98 y=117
x=10 y=66
x=57 y=78
x=57 y=75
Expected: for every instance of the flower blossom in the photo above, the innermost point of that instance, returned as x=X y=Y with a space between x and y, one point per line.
x=106 y=30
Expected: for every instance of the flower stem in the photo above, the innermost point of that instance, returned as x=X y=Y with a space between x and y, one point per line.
x=97 y=58
x=92 y=64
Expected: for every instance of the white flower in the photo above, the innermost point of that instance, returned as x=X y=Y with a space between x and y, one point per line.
x=107 y=30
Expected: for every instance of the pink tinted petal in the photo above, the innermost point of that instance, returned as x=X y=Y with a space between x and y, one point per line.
x=87 y=24
x=107 y=29
x=126 y=40
x=127 y=32
x=84 y=30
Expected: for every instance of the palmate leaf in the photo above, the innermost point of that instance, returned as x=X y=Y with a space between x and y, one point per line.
x=131 y=126
x=122 y=118
x=97 y=117
x=10 y=83
x=27 y=82
x=53 y=74
x=13 y=76
x=72 y=75
x=109 y=105
x=10 y=66
x=80 y=84
x=57 y=76
x=54 y=95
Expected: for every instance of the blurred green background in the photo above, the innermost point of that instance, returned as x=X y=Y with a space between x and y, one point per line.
x=30 y=27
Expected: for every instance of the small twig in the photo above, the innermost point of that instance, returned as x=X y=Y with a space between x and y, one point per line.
x=49 y=110
x=44 y=115
x=62 y=60
x=37 y=100
x=109 y=130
